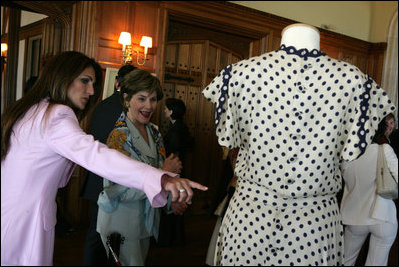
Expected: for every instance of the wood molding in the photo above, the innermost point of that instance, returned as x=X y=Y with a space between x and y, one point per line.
x=378 y=48
x=61 y=10
x=10 y=84
x=251 y=23
x=84 y=35
x=30 y=30
x=4 y=20
x=163 y=21
x=224 y=15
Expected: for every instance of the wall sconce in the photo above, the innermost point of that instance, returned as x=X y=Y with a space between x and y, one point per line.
x=127 y=51
x=4 y=49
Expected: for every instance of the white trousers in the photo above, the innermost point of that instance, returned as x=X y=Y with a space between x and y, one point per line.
x=381 y=239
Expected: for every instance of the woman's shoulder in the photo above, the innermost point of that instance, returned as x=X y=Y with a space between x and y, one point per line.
x=56 y=109
x=388 y=149
x=117 y=139
x=121 y=124
x=55 y=113
x=120 y=131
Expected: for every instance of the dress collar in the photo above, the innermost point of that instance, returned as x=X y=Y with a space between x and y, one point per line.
x=305 y=53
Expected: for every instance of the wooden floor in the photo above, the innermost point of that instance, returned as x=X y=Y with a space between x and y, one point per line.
x=68 y=249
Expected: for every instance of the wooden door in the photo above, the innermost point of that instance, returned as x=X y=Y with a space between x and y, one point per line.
x=189 y=67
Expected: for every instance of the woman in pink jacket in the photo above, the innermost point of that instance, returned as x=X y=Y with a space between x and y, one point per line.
x=41 y=143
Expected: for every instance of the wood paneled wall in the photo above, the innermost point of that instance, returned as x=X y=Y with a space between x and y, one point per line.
x=189 y=66
x=83 y=36
x=202 y=60
x=137 y=17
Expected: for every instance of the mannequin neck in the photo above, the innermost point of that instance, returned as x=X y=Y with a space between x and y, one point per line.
x=301 y=36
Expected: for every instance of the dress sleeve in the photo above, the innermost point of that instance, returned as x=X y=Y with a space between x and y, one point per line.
x=220 y=92
x=65 y=137
x=367 y=107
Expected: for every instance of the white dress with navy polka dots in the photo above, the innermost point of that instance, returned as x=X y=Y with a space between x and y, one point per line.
x=295 y=115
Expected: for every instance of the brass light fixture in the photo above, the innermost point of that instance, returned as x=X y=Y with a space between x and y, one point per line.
x=125 y=39
x=4 y=49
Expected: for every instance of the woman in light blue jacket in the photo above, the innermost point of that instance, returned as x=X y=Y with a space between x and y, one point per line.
x=124 y=210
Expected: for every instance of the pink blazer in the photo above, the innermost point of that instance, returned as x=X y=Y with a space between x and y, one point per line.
x=41 y=160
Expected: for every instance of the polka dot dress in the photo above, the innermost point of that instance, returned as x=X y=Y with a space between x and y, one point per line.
x=295 y=115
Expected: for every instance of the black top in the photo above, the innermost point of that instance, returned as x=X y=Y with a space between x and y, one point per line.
x=178 y=141
x=102 y=123
x=394 y=141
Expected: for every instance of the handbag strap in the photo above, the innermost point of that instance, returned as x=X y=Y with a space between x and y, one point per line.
x=382 y=162
x=380 y=158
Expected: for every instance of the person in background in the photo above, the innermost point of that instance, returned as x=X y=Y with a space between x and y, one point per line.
x=127 y=211
x=363 y=211
x=177 y=142
x=41 y=143
x=102 y=122
x=394 y=139
x=386 y=127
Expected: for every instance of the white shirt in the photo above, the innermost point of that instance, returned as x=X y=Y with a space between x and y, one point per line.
x=360 y=204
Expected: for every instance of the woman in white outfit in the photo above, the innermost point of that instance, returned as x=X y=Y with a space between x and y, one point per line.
x=363 y=211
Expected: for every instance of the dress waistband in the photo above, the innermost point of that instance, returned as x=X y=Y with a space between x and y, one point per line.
x=260 y=194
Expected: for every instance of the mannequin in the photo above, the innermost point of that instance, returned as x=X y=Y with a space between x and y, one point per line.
x=301 y=36
x=284 y=210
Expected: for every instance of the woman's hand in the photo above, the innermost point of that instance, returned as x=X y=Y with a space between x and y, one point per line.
x=172 y=164
x=180 y=188
x=178 y=208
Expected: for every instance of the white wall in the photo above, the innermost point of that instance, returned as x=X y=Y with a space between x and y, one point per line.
x=365 y=20
x=26 y=18
x=381 y=15
x=30 y=17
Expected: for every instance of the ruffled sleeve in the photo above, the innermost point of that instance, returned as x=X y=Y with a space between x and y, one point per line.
x=221 y=92
x=368 y=106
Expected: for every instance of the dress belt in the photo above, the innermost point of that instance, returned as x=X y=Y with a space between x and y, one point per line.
x=260 y=194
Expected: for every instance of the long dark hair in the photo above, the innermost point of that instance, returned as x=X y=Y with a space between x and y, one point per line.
x=53 y=82
x=379 y=136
